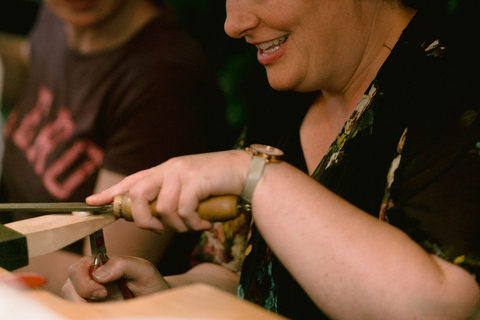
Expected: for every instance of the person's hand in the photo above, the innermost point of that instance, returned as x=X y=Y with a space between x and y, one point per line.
x=141 y=277
x=179 y=185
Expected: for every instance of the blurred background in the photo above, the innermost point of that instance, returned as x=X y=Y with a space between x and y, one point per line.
x=239 y=74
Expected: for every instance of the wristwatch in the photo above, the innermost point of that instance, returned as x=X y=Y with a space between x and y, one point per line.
x=261 y=156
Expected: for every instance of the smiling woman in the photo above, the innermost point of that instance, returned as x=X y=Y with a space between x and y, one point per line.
x=373 y=214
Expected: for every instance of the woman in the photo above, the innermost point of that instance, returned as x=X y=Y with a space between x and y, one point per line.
x=391 y=135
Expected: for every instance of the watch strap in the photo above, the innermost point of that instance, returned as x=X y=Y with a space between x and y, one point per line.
x=256 y=169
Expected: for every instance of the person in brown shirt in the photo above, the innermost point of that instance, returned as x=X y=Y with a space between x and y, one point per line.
x=107 y=80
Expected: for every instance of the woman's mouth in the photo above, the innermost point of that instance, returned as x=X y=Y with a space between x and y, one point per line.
x=272 y=46
x=270 y=52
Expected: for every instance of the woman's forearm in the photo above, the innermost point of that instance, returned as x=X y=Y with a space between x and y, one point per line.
x=344 y=257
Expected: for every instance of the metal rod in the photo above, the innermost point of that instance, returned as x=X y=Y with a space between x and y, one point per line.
x=55 y=207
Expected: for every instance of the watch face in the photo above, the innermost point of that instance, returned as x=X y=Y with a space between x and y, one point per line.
x=267 y=149
x=268 y=152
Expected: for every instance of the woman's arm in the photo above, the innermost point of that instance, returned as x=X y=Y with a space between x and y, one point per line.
x=208 y=273
x=347 y=261
x=351 y=263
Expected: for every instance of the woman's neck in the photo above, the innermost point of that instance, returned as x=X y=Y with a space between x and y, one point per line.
x=332 y=109
x=378 y=47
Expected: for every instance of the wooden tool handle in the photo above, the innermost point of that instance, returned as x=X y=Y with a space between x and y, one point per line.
x=221 y=208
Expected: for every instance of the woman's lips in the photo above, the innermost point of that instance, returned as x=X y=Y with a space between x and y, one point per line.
x=270 y=51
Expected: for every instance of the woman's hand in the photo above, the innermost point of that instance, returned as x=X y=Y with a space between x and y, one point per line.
x=179 y=185
x=141 y=277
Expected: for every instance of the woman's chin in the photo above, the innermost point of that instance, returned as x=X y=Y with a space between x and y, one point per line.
x=279 y=84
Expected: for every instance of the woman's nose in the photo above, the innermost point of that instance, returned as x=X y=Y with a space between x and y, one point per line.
x=240 y=18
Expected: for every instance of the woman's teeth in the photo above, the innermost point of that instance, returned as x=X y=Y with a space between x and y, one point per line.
x=272 y=46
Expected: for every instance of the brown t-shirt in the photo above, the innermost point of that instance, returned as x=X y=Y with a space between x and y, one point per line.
x=125 y=110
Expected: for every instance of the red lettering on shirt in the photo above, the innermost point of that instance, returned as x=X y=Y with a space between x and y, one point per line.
x=26 y=132
x=39 y=138
x=48 y=138
x=62 y=190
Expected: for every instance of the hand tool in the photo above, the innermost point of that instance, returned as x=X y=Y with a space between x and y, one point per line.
x=41 y=235
x=220 y=208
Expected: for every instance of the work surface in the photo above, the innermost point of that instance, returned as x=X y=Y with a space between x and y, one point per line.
x=190 y=302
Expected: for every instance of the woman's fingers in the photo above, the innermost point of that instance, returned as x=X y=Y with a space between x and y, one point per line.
x=178 y=185
x=166 y=184
x=120 y=188
x=168 y=205
x=188 y=211
x=141 y=195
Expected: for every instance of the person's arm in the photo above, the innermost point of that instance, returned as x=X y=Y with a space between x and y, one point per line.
x=208 y=273
x=352 y=263
x=347 y=261
x=15 y=55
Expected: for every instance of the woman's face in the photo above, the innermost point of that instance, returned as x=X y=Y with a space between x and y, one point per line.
x=85 y=13
x=305 y=45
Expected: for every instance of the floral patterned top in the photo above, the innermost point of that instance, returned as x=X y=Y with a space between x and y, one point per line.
x=409 y=154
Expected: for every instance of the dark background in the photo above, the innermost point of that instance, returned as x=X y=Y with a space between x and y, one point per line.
x=240 y=76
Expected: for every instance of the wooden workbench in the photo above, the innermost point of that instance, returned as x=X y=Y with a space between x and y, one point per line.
x=190 y=302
